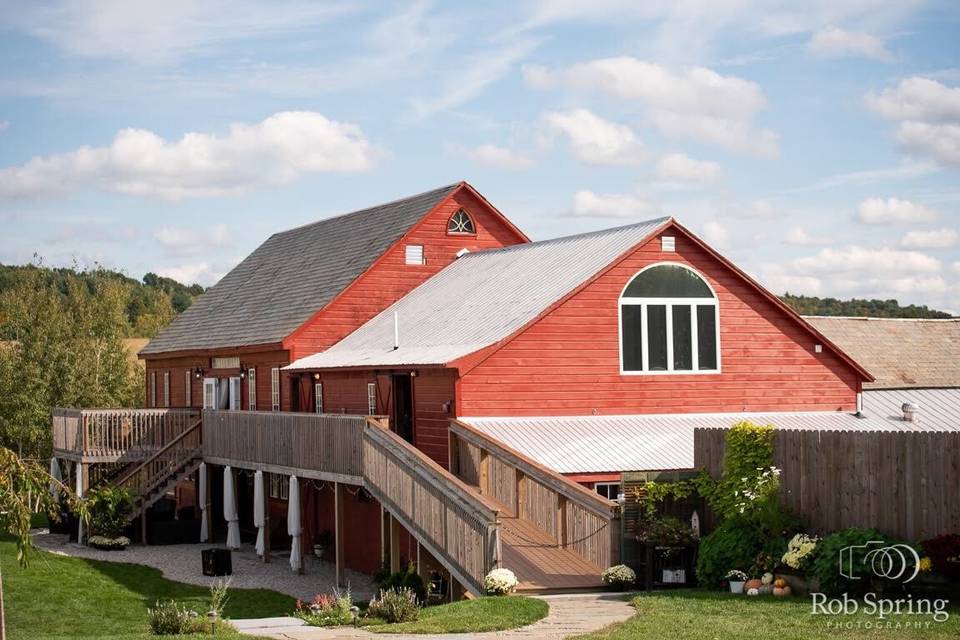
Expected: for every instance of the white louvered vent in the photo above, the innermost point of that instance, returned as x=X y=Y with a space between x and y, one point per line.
x=414 y=254
x=668 y=243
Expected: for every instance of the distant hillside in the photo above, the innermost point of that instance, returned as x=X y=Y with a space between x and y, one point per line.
x=813 y=306
x=151 y=304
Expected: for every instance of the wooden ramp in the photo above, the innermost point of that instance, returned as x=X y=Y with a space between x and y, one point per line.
x=539 y=564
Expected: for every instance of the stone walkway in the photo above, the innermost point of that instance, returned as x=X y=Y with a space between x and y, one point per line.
x=570 y=615
x=181 y=563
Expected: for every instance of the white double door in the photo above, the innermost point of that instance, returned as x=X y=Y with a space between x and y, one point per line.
x=221 y=393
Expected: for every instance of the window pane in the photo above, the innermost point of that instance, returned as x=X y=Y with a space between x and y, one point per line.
x=668 y=281
x=632 y=340
x=682 y=339
x=707 y=336
x=657 y=337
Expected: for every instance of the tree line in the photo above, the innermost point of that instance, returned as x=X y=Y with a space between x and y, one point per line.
x=813 y=306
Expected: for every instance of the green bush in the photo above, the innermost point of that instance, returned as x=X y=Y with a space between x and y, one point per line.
x=665 y=530
x=733 y=545
x=407 y=579
x=326 y=609
x=169 y=619
x=826 y=563
x=395 y=605
x=110 y=509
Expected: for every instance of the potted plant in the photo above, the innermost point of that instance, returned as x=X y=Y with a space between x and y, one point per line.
x=322 y=542
x=736 y=578
x=620 y=576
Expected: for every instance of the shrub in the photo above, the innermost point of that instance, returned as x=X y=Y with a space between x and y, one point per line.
x=666 y=530
x=500 y=582
x=110 y=508
x=944 y=553
x=800 y=551
x=733 y=544
x=408 y=579
x=326 y=609
x=826 y=563
x=170 y=619
x=620 y=575
x=109 y=544
x=395 y=605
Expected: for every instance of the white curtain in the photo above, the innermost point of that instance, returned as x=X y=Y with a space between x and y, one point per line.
x=56 y=478
x=79 y=491
x=202 y=501
x=230 y=509
x=294 y=528
x=258 y=510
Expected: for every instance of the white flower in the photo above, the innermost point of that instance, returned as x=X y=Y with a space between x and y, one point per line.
x=619 y=574
x=500 y=582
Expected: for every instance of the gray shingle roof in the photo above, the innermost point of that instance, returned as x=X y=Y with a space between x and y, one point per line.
x=291 y=276
x=480 y=299
x=898 y=352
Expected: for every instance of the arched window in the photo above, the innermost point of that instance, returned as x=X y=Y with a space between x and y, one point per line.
x=669 y=322
x=460 y=222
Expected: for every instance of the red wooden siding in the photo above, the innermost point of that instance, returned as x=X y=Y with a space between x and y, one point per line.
x=567 y=363
x=390 y=278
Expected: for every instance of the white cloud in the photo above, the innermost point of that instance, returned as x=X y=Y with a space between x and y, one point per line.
x=276 y=151
x=593 y=205
x=906 y=171
x=196 y=272
x=756 y=210
x=698 y=103
x=937 y=239
x=855 y=260
x=799 y=237
x=834 y=42
x=189 y=242
x=595 y=140
x=928 y=113
x=715 y=234
x=683 y=168
x=893 y=211
x=499 y=157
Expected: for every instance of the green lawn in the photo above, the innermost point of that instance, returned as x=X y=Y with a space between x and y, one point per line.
x=702 y=615
x=472 y=616
x=57 y=598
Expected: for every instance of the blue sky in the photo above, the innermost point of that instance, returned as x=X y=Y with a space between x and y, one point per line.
x=817 y=147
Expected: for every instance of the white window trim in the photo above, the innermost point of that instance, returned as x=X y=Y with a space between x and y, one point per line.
x=693 y=303
x=252 y=388
x=166 y=388
x=188 y=388
x=318 y=397
x=372 y=398
x=608 y=484
x=275 y=389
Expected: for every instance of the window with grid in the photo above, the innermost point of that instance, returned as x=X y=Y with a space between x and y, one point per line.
x=275 y=389
x=318 y=397
x=187 y=388
x=372 y=399
x=153 y=388
x=669 y=323
x=460 y=223
x=166 y=388
x=279 y=486
x=252 y=388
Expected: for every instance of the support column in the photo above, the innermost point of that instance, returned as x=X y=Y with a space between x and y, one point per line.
x=384 y=536
x=394 y=545
x=453 y=453
x=520 y=494
x=561 y=521
x=484 y=473
x=338 y=530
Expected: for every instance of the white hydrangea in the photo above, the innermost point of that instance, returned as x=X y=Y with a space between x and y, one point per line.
x=500 y=582
x=619 y=574
x=798 y=549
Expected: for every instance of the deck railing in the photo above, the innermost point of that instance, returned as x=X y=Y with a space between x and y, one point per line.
x=163 y=465
x=455 y=524
x=577 y=518
x=323 y=445
x=110 y=435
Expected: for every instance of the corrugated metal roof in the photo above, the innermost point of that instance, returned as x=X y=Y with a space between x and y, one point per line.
x=939 y=408
x=479 y=300
x=604 y=444
x=899 y=352
x=291 y=276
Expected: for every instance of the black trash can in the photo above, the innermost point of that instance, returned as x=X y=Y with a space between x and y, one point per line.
x=217 y=562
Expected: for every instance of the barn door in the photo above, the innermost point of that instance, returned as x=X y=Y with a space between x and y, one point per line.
x=209 y=393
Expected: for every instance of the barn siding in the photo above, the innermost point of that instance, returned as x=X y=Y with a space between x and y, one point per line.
x=390 y=278
x=567 y=363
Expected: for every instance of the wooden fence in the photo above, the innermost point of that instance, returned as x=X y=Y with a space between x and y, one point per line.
x=457 y=526
x=571 y=514
x=111 y=435
x=326 y=446
x=905 y=484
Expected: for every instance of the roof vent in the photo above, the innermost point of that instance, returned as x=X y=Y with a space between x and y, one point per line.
x=668 y=243
x=463 y=252
x=910 y=410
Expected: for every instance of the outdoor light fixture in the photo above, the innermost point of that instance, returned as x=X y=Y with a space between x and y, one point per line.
x=197 y=372
x=354 y=613
x=212 y=618
x=243 y=371
x=316 y=376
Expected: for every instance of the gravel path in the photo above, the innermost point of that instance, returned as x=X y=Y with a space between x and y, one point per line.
x=182 y=563
x=570 y=615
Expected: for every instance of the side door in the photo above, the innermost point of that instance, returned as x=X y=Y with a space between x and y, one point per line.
x=209 y=393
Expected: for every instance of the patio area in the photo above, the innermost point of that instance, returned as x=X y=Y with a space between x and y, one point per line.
x=182 y=564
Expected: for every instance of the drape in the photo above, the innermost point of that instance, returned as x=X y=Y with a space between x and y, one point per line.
x=230 y=509
x=294 y=525
x=202 y=501
x=258 y=520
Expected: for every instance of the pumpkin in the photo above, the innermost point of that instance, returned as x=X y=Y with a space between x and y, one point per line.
x=780 y=582
x=754 y=583
x=782 y=592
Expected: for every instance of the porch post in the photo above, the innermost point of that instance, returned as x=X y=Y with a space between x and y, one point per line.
x=338 y=527
x=384 y=536
x=561 y=521
x=484 y=471
x=266 y=523
x=394 y=545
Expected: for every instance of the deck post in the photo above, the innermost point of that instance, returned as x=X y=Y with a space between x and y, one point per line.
x=484 y=471
x=384 y=536
x=394 y=545
x=561 y=521
x=453 y=453
x=208 y=505
x=520 y=494
x=266 y=524
x=338 y=529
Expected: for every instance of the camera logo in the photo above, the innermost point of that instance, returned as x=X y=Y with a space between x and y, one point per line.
x=892 y=562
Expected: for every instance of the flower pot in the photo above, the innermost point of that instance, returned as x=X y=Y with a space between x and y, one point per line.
x=736 y=586
x=318 y=550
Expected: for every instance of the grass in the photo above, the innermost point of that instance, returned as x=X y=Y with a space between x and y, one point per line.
x=57 y=597
x=472 y=616
x=702 y=615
